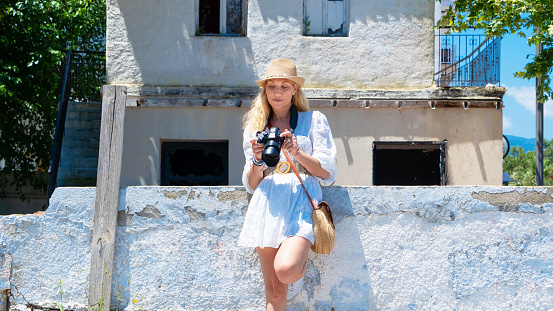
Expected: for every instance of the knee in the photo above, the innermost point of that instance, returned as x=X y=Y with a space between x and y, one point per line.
x=288 y=272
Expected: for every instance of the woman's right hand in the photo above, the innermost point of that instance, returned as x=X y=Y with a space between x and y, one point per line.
x=257 y=149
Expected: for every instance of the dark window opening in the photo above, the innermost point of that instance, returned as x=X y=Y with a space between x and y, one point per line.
x=409 y=163
x=209 y=17
x=194 y=163
x=221 y=17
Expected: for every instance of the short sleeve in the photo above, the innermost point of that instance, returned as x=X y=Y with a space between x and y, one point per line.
x=324 y=148
x=248 y=153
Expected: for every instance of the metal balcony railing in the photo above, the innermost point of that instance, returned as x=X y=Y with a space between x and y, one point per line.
x=87 y=74
x=467 y=60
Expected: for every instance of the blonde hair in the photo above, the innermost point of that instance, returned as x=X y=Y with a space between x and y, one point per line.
x=256 y=118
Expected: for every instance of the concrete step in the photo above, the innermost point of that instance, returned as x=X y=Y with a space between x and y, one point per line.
x=82 y=124
x=80 y=133
x=69 y=154
x=76 y=177
x=82 y=172
x=84 y=115
x=70 y=143
x=78 y=162
x=72 y=106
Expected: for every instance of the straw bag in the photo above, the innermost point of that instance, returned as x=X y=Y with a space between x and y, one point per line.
x=323 y=222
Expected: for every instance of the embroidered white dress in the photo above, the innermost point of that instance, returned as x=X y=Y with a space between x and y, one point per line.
x=279 y=207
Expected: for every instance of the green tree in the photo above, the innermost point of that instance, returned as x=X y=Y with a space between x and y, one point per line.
x=517 y=17
x=33 y=36
x=521 y=165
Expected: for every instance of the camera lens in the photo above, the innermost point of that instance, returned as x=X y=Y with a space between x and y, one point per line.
x=271 y=154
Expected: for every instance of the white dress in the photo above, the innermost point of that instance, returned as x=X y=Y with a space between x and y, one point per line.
x=279 y=207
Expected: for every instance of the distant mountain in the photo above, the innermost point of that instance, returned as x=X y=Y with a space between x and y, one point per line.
x=529 y=144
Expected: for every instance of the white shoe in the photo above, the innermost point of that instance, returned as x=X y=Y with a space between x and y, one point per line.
x=294 y=288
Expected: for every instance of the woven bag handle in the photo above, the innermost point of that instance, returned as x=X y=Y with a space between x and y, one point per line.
x=298 y=175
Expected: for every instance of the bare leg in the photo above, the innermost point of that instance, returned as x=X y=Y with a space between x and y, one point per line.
x=275 y=290
x=289 y=262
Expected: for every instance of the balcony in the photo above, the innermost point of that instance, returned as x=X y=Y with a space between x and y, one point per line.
x=467 y=60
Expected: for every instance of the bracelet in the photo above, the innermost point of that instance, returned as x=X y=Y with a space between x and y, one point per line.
x=257 y=163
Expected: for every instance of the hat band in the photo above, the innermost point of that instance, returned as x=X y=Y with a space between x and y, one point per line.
x=280 y=75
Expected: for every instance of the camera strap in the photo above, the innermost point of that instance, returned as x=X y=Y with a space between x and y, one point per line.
x=293 y=119
x=299 y=178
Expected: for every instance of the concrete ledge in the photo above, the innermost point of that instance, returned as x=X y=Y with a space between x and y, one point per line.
x=197 y=96
x=457 y=93
x=397 y=248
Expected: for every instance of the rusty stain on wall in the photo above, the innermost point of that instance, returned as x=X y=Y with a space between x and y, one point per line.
x=150 y=212
x=194 y=214
x=174 y=194
x=510 y=201
x=237 y=195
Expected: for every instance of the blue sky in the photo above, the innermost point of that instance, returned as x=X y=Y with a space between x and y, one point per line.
x=519 y=114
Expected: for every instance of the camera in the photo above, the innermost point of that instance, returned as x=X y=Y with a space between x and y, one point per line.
x=272 y=141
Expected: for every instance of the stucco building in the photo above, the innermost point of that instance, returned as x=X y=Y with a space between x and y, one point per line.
x=190 y=69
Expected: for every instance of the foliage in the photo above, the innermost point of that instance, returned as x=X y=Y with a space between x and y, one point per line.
x=521 y=165
x=60 y=303
x=306 y=24
x=34 y=35
x=517 y=17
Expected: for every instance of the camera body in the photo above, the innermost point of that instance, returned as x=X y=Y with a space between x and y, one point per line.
x=273 y=142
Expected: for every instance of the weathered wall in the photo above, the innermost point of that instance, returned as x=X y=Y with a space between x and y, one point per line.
x=390 y=45
x=473 y=149
x=397 y=248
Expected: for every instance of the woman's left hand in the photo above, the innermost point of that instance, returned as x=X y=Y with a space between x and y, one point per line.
x=290 y=143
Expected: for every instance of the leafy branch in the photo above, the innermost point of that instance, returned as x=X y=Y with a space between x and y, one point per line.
x=34 y=35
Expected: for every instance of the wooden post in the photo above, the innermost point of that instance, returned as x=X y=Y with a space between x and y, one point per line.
x=107 y=197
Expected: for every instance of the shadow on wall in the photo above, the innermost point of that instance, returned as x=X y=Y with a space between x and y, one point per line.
x=348 y=264
x=167 y=52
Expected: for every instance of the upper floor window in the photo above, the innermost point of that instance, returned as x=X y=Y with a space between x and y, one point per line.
x=221 y=17
x=325 y=18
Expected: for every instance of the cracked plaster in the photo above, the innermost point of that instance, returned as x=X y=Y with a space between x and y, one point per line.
x=397 y=248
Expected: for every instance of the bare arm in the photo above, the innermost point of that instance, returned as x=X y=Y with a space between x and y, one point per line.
x=255 y=175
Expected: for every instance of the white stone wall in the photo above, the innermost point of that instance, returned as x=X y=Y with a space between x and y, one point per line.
x=390 y=46
x=397 y=248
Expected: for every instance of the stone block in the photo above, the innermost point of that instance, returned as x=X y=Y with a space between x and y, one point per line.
x=223 y=103
x=321 y=103
x=351 y=103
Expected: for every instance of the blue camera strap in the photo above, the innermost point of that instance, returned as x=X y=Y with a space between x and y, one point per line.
x=293 y=119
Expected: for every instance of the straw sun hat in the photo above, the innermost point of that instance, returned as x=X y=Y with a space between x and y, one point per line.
x=282 y=68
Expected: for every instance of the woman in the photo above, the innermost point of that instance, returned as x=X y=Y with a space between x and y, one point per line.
x=278 y=222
